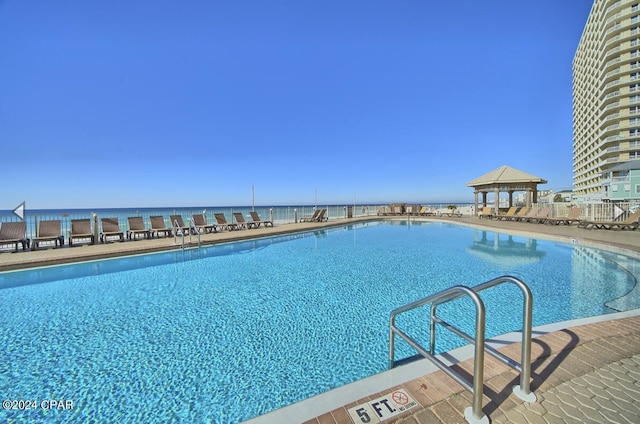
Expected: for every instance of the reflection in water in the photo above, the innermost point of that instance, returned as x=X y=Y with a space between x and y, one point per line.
x=591 y=268
x=504 y=250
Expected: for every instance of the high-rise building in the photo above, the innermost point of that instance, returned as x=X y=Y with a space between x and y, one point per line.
x=606 y=104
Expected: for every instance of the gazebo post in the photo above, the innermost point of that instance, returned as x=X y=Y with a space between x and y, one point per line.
x=496 y=201
x=475 y=201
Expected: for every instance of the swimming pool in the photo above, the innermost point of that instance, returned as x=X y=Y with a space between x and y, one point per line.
x=230 y=332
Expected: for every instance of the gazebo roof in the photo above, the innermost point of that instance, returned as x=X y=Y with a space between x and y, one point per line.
x=505 y=175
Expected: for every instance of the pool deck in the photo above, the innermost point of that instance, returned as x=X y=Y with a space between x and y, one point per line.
x=584 y=371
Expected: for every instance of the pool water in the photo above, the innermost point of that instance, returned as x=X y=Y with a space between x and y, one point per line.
x=229 y=332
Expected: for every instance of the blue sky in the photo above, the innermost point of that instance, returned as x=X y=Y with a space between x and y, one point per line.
x=164 y=103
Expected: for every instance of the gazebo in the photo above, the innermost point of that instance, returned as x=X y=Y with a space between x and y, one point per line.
x=505 y=179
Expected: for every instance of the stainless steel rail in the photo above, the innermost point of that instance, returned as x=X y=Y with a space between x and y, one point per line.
x=177 y=230
x=473 y=414
x=194 y=230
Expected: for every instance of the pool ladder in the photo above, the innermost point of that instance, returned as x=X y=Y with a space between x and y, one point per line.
x=177 y=230
x=474 y=413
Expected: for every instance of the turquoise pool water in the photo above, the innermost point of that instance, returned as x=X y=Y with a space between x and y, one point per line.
x=233 y=331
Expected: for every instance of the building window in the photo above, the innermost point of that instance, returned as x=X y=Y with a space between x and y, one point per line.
x=634 y=155
x=634 y=19
x=634 y=121
x=637 y=188
x=635 y=65
x=634 y=109
x=634 y=132
x=635 y=7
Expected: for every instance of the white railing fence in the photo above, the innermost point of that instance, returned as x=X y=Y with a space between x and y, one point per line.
x=291 y=214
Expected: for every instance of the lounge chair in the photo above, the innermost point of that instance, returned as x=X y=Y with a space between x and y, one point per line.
x=318 y=216
x=48 y=231
x=243 y=223
x=631 y=223
x=487 y=212
x=507 y=216
x=532 y=213
x=222 y=222
x=111 y=228
x=200 y=222
x=158 y=226
x=311 y=218
x=426 y=211
x=14 y=233
x=572 y=217
x=521 y=214
x=81 y=229
x=136 y=227
x=541 y=216
x=258 y=221
x=451 y=213
x=178 y=225
x=321 y=216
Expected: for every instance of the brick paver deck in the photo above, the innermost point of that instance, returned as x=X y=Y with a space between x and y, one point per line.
x=589 y=373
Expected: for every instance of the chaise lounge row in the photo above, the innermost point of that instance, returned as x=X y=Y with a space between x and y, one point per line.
x=631 y=223
x=542 y=215
x=525 y=214
x=15 y=233
x=417 y=210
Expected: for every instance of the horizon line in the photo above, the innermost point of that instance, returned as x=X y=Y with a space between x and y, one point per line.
x=306 y=204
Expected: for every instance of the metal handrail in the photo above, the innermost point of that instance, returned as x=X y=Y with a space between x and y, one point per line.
x=192 y=230
x=176 y=229
x=192 y=226
x=478 y=370
x=523 y=390
x=473 y=414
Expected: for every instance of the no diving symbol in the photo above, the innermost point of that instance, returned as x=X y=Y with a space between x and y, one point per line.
x=383 y=408
x=400 y=398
